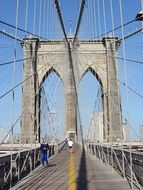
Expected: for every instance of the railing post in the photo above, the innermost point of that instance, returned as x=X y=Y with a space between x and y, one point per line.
x=18 y=166
x=95 y=151
x=123 y=163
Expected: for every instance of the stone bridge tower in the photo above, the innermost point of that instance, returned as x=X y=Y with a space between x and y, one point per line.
x=43 y=57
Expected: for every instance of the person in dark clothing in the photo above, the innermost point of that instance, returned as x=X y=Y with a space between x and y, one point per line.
x=44 y=147
x=66 y=142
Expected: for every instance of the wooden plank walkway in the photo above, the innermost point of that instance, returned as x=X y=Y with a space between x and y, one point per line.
x=73 y=171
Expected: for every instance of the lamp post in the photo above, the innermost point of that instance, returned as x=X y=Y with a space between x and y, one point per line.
x=52 y=116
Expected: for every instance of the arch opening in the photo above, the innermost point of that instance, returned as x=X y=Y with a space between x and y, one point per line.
x=52 y=107
x=90 y=95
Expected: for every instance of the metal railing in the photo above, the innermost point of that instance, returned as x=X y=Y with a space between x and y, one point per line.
x=120 y=159
x=23 y=162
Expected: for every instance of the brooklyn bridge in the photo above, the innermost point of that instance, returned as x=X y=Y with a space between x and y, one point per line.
x=71 y=70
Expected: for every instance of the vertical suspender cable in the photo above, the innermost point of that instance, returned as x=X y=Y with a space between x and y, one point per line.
x=52 y=22
x=32 y=79
x=34 y=25
x=90 y=20
x=26 y=24
x=34 y=17
x=113 y=31
x=112 y=18
x=40 y=12
x=104 y=18
x=110 y=124
x=105 y=31
x=44 y=18
x=13 y=92
x=85 y=28
x=94 y=19
x=99 y=20
x=91 y=16
x=26 y=16
x=49 y=19
x=46 y=11
x=125 y=70
x=47 y=24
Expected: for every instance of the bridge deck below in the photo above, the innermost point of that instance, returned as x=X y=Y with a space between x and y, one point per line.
x=73 y=171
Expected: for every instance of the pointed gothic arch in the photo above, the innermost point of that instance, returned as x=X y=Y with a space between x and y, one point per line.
x=45 y=76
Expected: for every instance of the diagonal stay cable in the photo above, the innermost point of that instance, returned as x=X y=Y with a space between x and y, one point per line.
x=13 y=125
x=79 y=19
x=130 y=34
x=116 y=28
x=114 y=78
x=23 y=59
x=124 y=84
x=22 y=82
x=11 y=36
x=61 y=19
x=116 y=57
x=111 y=98
x=22 y=30
x=19 y=117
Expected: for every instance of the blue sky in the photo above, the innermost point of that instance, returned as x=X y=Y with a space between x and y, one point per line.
x=50 y=29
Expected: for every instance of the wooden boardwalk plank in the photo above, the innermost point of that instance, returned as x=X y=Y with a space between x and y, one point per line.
x=91 y=174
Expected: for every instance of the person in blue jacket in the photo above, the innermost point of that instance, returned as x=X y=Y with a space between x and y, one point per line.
x=44 y=147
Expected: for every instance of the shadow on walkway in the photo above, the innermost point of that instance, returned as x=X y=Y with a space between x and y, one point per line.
x=82 y=177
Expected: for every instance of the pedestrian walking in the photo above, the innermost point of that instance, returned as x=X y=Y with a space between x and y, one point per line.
x=70 y=144
x=66 y=142
x=44 y=147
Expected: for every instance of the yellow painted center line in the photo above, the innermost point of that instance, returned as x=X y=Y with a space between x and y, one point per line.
x=72 y=181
